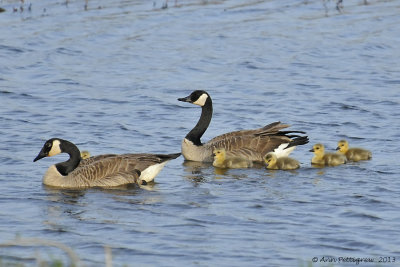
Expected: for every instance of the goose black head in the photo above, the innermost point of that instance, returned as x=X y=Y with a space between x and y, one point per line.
x=50 y=148
x=198 y=97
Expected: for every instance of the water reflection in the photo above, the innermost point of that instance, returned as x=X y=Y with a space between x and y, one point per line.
x=65 y=204
x=273 y=173
x=60 y=203
x=65 y=196
x=196 y=171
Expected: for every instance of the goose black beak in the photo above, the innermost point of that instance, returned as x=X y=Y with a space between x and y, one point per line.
x=311 y=150
x=185 y=99
x=338 y=148
x=41 y=155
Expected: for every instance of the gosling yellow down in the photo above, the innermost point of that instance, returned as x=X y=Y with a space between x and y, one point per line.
x=354 y=153
x=326 y=159
x=223 y=159
x=85 y=154
x=282 y=163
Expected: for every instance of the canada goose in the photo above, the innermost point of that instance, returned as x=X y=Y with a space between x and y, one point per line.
x=85 y=154
x=354 y=153
x=103 y=170
x=326 y=159
x=224 y=159
x=251 y=144
x=282 y=163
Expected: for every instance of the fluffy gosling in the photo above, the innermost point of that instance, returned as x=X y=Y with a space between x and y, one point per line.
x=326 y=159
x=354 y=153
x=224 y=160
x=283 y=163
x=85 y=154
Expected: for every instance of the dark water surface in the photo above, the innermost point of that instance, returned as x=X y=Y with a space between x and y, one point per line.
x=108 y=80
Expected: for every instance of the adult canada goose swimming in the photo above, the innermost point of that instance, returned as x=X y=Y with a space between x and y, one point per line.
x=353 y=154
x=85 y=154
x=251 y=144
x=101 y=171
x=282 y=163
x=326 y=159
x=224 y=159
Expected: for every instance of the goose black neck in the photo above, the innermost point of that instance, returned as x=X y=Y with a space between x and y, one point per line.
x=197 y=132
x=74 y=158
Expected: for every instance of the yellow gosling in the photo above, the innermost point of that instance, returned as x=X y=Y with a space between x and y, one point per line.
x=326 y=159
x=85 y=154
x=354 y=153
x=282 y=163
x=224 y=160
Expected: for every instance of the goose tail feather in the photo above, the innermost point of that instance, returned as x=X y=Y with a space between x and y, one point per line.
x=166 y=157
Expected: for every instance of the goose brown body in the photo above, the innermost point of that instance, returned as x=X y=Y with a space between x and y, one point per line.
x=249 y=144
x=99 y=171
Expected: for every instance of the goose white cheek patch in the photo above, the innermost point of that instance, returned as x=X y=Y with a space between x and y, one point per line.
x=202 y=100
x=55 y=148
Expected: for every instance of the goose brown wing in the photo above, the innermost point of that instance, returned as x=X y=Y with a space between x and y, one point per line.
x=110 y=170
x=143 y=159
x=95 y=159
x=254 y=144
x=269 y=129
x=250 y=147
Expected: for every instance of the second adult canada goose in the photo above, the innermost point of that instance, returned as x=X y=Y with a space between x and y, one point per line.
x=326 y=159
x=354 y=153
x=282 y=163
x=251 y=144
x=99 y=171
x=223 y=159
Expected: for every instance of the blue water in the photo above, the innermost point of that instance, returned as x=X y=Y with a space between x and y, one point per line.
x=108 y=78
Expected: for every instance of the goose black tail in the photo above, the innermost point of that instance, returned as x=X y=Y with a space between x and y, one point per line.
x=301 y=140
x=165 y=157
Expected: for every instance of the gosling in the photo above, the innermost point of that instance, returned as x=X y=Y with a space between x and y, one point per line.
x=326 y=159
x=85 y=154
x=353 y=154
x=282 y=163
x=224 y=160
